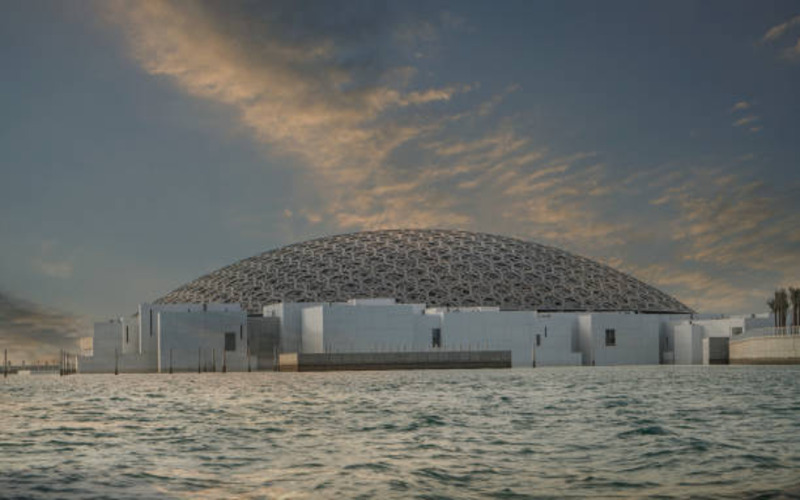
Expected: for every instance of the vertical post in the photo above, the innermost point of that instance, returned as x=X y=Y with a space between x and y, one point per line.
x=199 y=359
x=116 y=362
x=170 y=360
x=224 y=361
x=61 y=363
x=248 y=360
x=5 y=363
x=214 y=359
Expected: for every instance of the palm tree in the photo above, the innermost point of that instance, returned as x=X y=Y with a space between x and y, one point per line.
x=794 y=296
x=782 y=304
x=773 y=310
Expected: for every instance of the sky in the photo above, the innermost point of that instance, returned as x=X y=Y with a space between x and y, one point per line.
x=146 y=143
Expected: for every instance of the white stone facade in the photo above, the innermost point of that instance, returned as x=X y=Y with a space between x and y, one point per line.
x=171 y=337
x=208 y=337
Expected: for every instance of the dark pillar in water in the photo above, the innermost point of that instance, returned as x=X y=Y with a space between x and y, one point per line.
x=5 y=363
x=116 y=362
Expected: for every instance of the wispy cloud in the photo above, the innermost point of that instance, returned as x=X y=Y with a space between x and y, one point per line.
x=348 y=122
x=740 y=106
x=745 y=120
x=749 y=121
x=780 y=31
x=380 y=148
x=30 y=331
x=698 y=289
x=724 y=219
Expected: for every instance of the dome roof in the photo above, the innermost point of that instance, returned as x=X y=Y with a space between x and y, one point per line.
x=441 y=268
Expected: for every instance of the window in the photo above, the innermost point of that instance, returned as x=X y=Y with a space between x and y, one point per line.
x=611 y=337
x=126 y=334
x=240 y=332
x=230 y=341
x=436 y=337
x=736 y=330
x=538 y=340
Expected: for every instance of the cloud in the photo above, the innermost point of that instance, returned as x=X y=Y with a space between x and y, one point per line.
x=779 y=30
x=349 y=119
x=745 y=120
x=727 y=220
x=323 y=95
x=698 y=289
x=30 y=331
x=740 y=106
x=336 y=88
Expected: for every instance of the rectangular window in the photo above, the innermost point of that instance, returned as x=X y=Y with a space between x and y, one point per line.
x=230 y=341
x=538 y=340
x=126 y=334
x=240 y=332
x=436 y=337
x=611 y=337
x=736 y=330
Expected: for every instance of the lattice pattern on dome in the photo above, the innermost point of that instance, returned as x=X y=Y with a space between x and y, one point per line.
x=440 y=268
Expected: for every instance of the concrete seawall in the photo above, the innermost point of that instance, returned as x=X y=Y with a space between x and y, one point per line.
x=294 y=362
x=773 y=350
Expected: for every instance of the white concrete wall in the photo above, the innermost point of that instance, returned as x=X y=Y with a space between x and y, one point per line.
x=585 y=339
x=131 y=339
x=637 y=339
x=290 y=315
x=352 y=328
x=384 y=328
x=199 y=338
x=312 y=340
x=148 y=316
x=181 y=327
x=106 y=346
x=492 y=330
x=719 y=327
x=107 y=338
x=688 y=343
x=559 y=340
x=423 y=325
x=113 y=352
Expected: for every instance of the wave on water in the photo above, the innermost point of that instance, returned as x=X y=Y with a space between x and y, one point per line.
x=666 y=432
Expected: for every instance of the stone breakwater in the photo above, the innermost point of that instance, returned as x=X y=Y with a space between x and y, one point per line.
x=772 y=350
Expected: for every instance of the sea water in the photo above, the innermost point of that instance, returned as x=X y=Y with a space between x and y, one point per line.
x=663 y=431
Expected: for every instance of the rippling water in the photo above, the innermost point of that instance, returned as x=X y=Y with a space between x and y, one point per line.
x=616 y=432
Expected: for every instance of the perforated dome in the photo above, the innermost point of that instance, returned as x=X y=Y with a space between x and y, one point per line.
x=440 y=268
